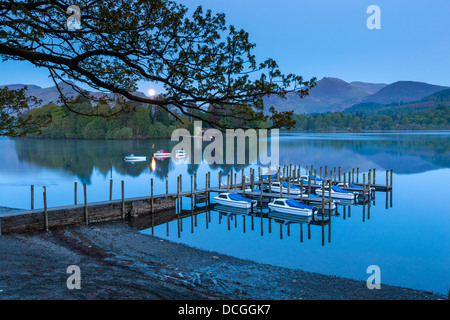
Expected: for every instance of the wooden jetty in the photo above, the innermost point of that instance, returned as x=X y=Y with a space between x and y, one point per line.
x=121 y=209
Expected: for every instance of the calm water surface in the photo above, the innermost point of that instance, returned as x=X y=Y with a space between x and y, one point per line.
x=409 y=240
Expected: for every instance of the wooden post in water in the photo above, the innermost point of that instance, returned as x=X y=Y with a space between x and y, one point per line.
x=321 y=173
x=167 y=185
x=151 y=194
x=32 y=197
x=364 y=189
x=123 y=199
x=387 y=179
x=220 y=179
x=334 y=174
x=86 y=218
x=357 y=175
x=110 y=189
x=345 y=183
x=289 y=185
x=309 y=184
x=75 y=192
x=228 y=182
x=339 y=175
x=315 y=176
x=243 y=185
x=301 y=188
x=374 y=175
x=45 y=209
x=353 y=175
x=392 y=172
x=195 y=181
x=261 y=195
x=231 y=177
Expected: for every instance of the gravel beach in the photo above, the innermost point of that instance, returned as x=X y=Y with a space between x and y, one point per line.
x=118 y=262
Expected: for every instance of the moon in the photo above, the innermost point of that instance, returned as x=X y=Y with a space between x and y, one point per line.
x=151 y=92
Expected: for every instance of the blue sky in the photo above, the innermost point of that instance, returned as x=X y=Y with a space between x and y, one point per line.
x=327 y=38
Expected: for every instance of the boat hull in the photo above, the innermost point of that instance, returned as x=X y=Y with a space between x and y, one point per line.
x=291 y=210
x=236 y=204
x=336 y=195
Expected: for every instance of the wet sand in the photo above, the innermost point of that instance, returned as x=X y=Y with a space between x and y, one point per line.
x=118 y=262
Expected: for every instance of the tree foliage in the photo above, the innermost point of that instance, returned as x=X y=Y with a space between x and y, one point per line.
x=197 y=58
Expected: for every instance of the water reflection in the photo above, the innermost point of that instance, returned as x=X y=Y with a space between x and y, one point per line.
x=403 y=153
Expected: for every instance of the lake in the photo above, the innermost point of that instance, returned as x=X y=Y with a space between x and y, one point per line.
x=407 y=235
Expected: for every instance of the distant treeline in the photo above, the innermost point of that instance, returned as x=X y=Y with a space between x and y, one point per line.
x=155 y=122
x=433 y=119
x=139 y=122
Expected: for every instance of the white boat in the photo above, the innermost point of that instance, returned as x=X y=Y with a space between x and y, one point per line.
x=294 y=190
x=234 y=200
x=354 y=186
x=180 y=154
x=134 y=158
x=162 y=153
x=317 y=201
x=336 y=193
x=292 y=206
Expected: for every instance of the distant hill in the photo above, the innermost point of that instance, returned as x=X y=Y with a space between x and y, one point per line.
x=330 y=94
x=402 y=92
x=434 y=100
x=51 y=94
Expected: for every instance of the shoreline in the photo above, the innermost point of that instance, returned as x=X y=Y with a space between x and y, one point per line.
x=119 y=262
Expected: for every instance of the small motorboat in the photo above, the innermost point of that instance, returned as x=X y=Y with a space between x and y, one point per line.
x=162 y=153
x=337 y=193
x=234 y=200
x=305 y=178
x=294 y=190
x=292 y=206
x=180 y=154
x=353 y=187
x=134 y=158
x=317 y=201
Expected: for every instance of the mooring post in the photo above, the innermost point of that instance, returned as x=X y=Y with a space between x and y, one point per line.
x=32 y=197
x=195 y=181
x=231 y=177
x=235 y=181
x=345 y=182
x=261 y=195
x=228 y=182
x=321 y=173
x=364 y=188
x=315 y=176
x=192 y=193
x=220 y=179
x=309 y=184
x=123 y=199
x=75 y=192
x=353 y=175
x=357 y=175
x=110 y=189
x=243 y=185
x=301 y=190
x=392 y=172
x=45 y=209
x=374 y=175
x=387 y=179
x=323 y=199
x=339 y=175
x=167 y=185
x=334 y=174
x=206 y=189
x=289 y=185
x=86 y=218
x=151 y=196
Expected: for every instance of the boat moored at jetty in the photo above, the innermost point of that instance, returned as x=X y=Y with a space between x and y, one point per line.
x=293 y=190
x=234 y=200
x=336 y=193
x=292 y=206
